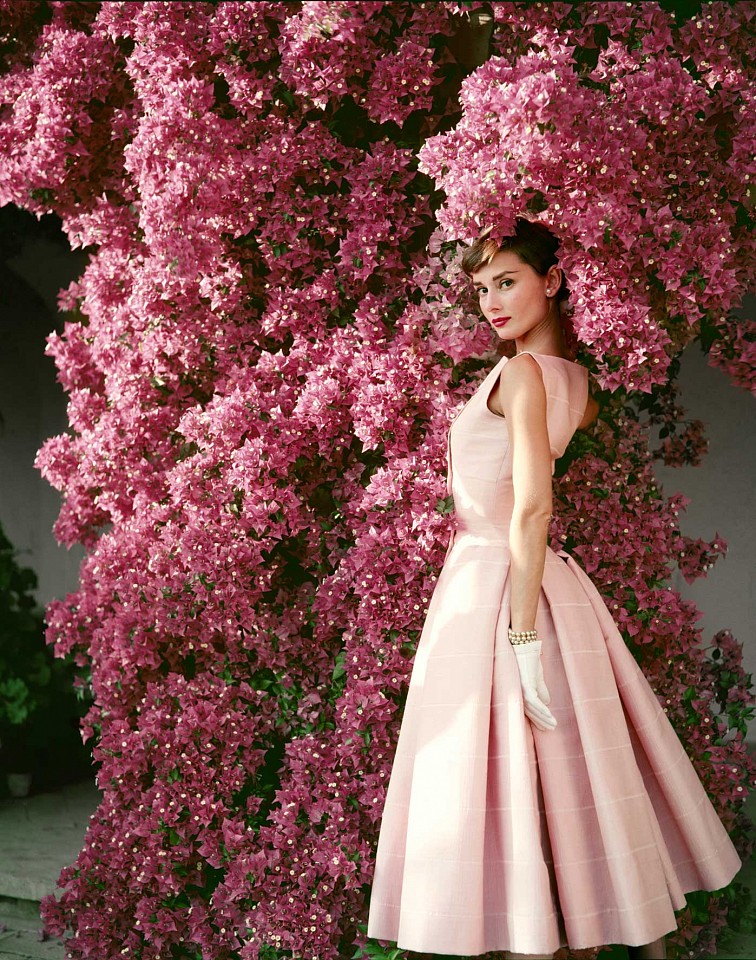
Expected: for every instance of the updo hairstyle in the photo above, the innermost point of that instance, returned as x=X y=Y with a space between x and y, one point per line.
x=533 y=243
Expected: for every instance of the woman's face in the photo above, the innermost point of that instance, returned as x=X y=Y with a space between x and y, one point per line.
x=509 y=288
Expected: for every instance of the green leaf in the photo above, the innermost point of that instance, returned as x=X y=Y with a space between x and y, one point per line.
x=339 y=669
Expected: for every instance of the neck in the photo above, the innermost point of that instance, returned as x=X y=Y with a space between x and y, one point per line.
x=548 y=342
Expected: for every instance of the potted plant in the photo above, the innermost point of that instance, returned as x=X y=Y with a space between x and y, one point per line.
x=27 y=668
x=21 y=698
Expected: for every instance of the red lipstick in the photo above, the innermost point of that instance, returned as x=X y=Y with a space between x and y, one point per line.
x=500 y=321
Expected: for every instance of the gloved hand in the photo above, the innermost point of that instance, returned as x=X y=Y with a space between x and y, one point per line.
x=535 y=696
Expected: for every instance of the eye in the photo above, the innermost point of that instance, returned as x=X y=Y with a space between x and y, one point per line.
x=481 y=290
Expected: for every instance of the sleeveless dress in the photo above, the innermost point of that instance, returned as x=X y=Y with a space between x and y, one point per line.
x=496 y=835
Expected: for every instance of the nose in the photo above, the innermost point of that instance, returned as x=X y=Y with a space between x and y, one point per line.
x=493 y=303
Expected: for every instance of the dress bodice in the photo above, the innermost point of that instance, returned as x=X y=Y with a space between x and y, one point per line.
x=479 y=453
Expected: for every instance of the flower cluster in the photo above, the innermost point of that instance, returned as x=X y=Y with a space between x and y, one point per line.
x=333 y=50
x=262 y=357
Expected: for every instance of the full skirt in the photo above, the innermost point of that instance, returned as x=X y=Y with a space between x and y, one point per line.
x=498 y=836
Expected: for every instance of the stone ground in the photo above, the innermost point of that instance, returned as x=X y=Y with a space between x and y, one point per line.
x=39 y=835
x=42 y=833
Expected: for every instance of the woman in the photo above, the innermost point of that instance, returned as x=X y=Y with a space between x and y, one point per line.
x=539 y=796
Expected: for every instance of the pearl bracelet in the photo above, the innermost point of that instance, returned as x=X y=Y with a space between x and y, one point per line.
x=522 y=636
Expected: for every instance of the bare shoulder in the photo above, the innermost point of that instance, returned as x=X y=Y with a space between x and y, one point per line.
x=591 y=413
x=522 y=368
x=523 y=391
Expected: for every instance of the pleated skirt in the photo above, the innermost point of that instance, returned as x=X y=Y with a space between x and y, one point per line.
x=498 y=836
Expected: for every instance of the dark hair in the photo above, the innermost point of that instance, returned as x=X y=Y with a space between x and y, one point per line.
x=533 y=243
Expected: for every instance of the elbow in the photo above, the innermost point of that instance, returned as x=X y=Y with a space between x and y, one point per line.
x=532 y=515
x=531 y=528
x=533 y=508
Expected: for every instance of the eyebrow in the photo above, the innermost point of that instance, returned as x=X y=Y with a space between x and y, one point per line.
x=498 y=276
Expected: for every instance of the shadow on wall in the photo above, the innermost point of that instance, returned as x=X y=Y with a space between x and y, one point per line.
x=40 y=713
x=35 y=263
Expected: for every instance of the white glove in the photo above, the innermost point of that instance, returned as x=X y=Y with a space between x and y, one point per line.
x=535 y=696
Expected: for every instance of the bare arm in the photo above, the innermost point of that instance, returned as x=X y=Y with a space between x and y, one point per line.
x=523 y=399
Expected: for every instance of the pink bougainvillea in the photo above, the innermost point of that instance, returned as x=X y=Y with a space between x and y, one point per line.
x=262 y=357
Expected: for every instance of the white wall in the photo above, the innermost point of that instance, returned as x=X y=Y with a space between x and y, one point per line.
x=723 y=502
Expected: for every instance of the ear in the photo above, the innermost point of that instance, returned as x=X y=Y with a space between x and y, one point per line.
x=553 y=280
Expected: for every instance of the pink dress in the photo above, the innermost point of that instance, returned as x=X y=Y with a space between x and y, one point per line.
x=496 y=835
